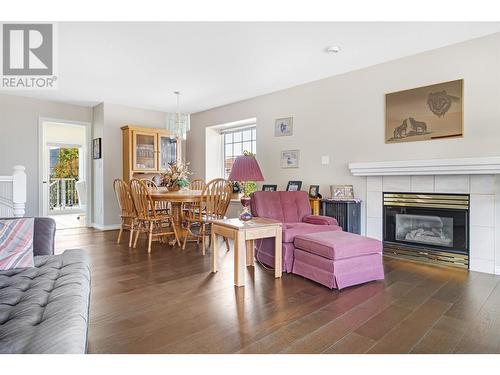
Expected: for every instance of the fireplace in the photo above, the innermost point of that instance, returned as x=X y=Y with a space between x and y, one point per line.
x=427 y=227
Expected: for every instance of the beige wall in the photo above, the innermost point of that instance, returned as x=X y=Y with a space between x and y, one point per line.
x=114 y=117
x=343 y=116
x=97 y=168
x=19 y=131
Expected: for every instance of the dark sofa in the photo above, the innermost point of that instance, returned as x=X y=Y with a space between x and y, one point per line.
x=45 y=309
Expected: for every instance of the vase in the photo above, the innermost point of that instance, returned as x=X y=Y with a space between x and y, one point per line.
x=246 y=214
x=174 y=188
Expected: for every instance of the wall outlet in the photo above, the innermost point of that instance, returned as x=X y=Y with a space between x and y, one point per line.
x=325 y=159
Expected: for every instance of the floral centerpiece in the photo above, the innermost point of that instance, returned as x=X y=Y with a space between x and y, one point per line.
x=176 y=177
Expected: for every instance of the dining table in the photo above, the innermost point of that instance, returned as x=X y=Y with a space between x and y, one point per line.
x=177 y=199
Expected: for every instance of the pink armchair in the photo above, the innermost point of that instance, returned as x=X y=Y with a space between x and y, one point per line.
x=293 y=210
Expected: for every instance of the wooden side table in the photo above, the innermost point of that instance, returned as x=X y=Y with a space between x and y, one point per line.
x=244 y=234
x=315 y=205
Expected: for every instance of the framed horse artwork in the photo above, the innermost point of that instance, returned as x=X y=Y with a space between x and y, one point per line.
x=424 y=113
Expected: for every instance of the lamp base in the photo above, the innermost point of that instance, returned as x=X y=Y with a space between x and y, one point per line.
x=246 y=215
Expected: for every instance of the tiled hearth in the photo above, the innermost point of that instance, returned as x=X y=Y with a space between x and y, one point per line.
x=484 y=193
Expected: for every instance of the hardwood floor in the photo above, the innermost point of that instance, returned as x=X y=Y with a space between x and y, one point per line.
x=169 y=302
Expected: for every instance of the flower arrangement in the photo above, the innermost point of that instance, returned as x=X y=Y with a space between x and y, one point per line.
x=176 y=177
x=249 y=187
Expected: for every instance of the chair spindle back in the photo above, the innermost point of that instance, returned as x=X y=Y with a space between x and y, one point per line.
x=216 y=196
x=144 y=205
x=124 y=198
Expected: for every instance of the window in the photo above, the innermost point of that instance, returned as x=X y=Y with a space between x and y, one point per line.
x=236 y=141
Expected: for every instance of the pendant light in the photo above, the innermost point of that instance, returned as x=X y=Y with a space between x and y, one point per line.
x=178 y=123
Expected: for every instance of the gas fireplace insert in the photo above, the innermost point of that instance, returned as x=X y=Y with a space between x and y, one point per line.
x=427 y=227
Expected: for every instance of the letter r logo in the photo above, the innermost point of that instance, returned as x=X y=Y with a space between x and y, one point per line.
x=27 y=49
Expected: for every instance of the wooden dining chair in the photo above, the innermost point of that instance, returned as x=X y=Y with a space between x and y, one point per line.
x=161 y=206
x=127 y=209
x=156 y=224
x=150 y=183
x=212 y=205
x=197 y=184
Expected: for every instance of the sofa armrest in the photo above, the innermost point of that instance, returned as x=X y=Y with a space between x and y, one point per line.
x=320 y=220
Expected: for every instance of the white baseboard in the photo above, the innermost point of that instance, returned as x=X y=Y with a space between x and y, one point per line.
x=497 y=270
x=105 y=227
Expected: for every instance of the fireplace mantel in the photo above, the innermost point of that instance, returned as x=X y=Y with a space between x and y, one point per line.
x=460 y=166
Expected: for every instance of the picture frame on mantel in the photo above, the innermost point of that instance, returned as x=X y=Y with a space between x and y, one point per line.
x=425 y=113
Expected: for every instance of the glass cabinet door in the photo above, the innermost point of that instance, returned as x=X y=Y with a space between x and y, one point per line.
x=144 y=151
x=167 y=151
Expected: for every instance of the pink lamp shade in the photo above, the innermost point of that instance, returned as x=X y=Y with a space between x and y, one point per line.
x=245 y=168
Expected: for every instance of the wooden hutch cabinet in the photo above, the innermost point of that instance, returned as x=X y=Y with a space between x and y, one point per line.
x=147 y=151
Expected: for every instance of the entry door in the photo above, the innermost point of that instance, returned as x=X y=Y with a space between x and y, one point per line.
x=64 y=182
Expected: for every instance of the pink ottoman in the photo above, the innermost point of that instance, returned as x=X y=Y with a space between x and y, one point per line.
x=338 y=259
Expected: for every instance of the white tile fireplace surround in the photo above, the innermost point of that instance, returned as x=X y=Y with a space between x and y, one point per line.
x=479 y=177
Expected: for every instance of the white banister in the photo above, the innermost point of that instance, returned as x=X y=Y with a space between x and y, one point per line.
x=19 y=190
x=13 y=193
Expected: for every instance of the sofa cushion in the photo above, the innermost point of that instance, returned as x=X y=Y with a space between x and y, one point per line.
x=43 y=235
x=337 y=245
x=267 y=204
x=16 y=243
x=44 y=309
x=295 y=205
x=290 y=230
x=284 y=206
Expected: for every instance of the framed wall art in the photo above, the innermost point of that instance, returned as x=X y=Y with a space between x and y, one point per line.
x=283 y=127
x=290 y=159
x=96 y=148
x=425 y=113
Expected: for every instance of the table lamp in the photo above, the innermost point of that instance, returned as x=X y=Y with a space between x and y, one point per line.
x=245 y=168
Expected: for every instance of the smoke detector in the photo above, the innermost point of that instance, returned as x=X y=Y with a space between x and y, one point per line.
x=332 y=49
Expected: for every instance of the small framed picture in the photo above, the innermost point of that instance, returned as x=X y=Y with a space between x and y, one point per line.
x=342 y=191
x=314 y=191
x=96 y=148
x=283 y=127
x=290 y=159
x=269 y=187
x=294 y=186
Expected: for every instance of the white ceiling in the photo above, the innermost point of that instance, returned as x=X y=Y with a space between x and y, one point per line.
x=212 y=64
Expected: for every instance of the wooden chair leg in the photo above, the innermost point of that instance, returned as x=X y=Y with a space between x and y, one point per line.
x=137 y=235
x=175 y=234
x=185 y=237
x=131 y=237
x=150 y=236
x=203 y=239
x=121 y=232
x=227 y=243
